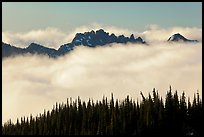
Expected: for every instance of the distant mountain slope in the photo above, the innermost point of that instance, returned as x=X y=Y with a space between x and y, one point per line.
x=179 y=38
x=34 y=48
x=89 y=39
x=8 y=50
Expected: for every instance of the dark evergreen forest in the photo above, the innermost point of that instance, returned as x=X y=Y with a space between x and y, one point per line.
x=153 y=115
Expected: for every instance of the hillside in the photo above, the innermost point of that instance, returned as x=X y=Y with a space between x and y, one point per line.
x=151 y=116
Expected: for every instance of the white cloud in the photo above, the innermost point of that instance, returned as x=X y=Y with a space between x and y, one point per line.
x=155 y=33
x=54 y=38
x=49 y=37
x=34 y=83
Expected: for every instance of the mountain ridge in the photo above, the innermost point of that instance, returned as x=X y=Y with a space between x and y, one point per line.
x=90 y=39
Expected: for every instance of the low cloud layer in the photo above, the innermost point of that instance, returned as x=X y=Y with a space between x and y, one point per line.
x=155 y=33
x=54 y=38
x=34 y=83
x=49 y=37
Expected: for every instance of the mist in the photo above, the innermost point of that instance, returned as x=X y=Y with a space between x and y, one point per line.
x=33 y=83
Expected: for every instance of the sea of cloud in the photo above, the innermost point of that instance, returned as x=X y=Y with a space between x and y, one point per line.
x=54 y=37
x=31 y=84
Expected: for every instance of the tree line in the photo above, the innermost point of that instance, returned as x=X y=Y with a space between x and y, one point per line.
x=175 y=115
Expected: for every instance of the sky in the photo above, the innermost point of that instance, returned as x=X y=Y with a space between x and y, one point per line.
x=22 y=16
x=32 y=83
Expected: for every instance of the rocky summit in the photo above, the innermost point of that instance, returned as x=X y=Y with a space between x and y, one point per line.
x=179 y=38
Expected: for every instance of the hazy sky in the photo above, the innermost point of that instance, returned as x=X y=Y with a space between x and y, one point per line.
x=22 y=16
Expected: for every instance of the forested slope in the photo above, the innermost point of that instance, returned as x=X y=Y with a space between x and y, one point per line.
x=174 y=115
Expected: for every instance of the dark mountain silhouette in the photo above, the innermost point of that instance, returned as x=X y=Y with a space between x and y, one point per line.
x=89 y=39
x=8 y=50
x=34 y=48
x=100 y=37
x=97 y=38
x=179 y=38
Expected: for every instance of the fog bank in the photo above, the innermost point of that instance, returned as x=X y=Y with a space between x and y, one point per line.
x=34 y=83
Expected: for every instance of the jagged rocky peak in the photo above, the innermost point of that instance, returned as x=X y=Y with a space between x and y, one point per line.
x=101 y=37
x=100 y=31
x=132 y=37
x=179 y=38
x=139 y=39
